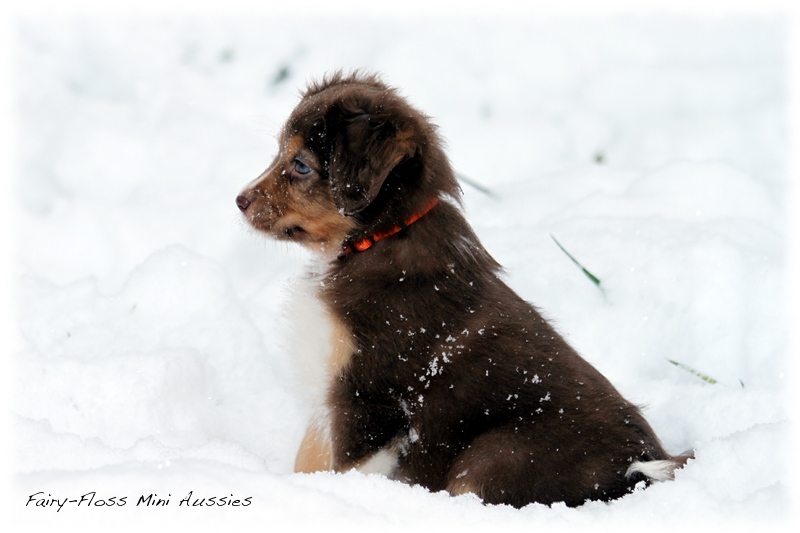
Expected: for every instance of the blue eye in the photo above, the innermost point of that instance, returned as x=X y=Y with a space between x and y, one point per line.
x=301 y=168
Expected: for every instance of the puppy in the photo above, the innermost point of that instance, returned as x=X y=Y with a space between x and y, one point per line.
x=439 y=374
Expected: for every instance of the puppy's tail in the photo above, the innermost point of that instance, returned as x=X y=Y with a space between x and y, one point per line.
x=659 y=470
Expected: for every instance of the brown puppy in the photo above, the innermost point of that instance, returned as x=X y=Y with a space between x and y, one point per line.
x=439 y=374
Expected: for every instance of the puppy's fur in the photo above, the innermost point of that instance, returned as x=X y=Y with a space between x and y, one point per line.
x=439 y=374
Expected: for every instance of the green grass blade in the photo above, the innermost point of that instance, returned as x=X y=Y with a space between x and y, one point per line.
x=691 y=370
x=475 y=185
x=589 y=275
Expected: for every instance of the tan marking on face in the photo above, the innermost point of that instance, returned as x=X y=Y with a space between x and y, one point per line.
x=314 y=454
x=298 y=210
x=293 y=145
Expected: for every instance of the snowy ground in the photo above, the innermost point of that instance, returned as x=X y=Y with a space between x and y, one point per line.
x=155 y=353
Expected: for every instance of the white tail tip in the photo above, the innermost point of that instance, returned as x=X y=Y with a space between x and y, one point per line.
x=657 y=470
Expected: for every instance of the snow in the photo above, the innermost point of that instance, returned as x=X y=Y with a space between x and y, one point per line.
x=155 y=327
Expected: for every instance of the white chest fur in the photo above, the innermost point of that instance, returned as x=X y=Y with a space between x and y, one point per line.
x=321 y=345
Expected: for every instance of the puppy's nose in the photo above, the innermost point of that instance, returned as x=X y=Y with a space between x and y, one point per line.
x=242 y=202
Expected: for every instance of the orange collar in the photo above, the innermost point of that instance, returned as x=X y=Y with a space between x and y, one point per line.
x=366 y=243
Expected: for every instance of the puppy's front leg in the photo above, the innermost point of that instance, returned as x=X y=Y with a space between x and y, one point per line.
x=364 y=431
x=314 y=454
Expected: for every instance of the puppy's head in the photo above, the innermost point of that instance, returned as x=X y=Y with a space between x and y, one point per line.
x=353 y=155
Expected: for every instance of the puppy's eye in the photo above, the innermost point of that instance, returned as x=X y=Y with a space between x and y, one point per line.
x=301 y=168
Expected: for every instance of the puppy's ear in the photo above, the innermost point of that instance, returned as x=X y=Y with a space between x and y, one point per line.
x=365 y=145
